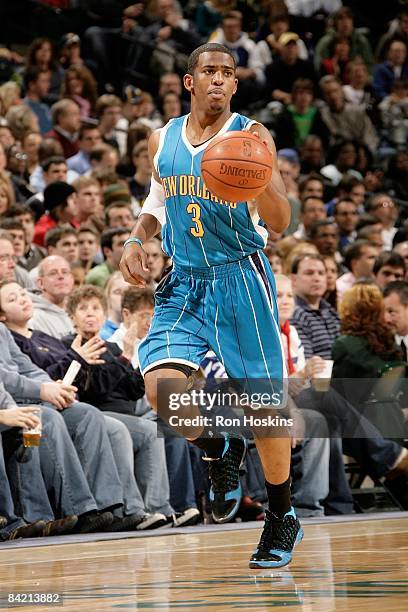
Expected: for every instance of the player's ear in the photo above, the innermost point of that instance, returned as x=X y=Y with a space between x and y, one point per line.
x=236 y=87
x=188 y=82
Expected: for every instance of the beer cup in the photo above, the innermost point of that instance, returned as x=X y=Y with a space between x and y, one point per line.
x=32 y=435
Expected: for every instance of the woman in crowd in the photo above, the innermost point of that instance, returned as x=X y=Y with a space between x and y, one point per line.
x=80 y=86
x=41 y=54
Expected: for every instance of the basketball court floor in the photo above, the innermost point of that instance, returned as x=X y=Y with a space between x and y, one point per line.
x=359 y=563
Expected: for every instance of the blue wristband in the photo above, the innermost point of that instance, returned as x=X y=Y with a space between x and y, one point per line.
x=131 y=240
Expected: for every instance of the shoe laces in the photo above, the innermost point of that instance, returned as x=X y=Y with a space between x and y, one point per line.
x=279 y=533
x=224 y=472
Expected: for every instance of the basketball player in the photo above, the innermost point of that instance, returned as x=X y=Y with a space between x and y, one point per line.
x=221 y=292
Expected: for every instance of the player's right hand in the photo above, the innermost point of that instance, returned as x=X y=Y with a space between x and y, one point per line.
x=133 y=264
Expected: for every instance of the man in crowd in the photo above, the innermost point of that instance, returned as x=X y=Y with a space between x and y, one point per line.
x=112 y=241
x=359 y=258
x=89 y=137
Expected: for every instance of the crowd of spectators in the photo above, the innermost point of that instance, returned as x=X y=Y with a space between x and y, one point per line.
x=75 y=117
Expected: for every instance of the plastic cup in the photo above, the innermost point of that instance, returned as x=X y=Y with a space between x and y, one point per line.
x=32 y=435
x=321 y=381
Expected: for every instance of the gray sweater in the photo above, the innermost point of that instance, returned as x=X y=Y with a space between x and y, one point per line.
x=20 y=376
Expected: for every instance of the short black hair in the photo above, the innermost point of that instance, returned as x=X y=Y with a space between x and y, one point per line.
x=31 y=75
x=18 y=209
x=108 y=235
x=314 y=229
x=354 y=251
x=400 y=288
x=306 y=200
x=54 y=159
x=387 y=258
x=207 y=48
x=365 y=220
x=55 y=234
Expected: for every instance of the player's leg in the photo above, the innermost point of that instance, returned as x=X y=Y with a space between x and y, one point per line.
x=175 y=346
x=248 y=343
x=225 y=454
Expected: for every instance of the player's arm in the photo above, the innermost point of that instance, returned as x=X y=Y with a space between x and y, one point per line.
x=148 y=224
x=273 y=205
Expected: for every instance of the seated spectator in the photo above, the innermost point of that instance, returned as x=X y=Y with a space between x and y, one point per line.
x=398 y=30
x=7 y=197
x=9 y=270
x=381 y=206
x=103 y=157
x=62 y=241
x=358 y=89
x=170 y=107
x=343 y=25
x=402 y=249
x=173 y=36
x=144 y=111
x=396 y=67
x=156 y=261
x=301 y=248
x=89 y=137
x=395 y=296
x=80 y=86
x=388 y=267
x=21 y=120
x=24 y=481
x=17 y=233
x=88 y=247
x=394 y=115
x=345 y=216
x=332 y=272
x=324 y=235
x=268 y=48
x=119 y=214
x=39 y=178
x=60 y=206
x=108 y=110
x=170 y=82
x=41 y=54
x=114 y=387
x=70 y=50
x=311 y=186
x=283 y=72
x=54 y=357
x=17 y=171
x=250 y=71
x=31 y=144
x=33 y=254
x=208 y=15
x=397 y=173
x=66 y=119
x=36 y=84
x=114 y=290
x=89 y=203
x=342 y=159
x=359 y=258
x=344 y=120
x=55 y=282
x=112 y=241
x=139 y=184
x=311 y=155
x=316 y=322
x=99 y=441
x=300 y=118
x=312 y=209
x=337 y=63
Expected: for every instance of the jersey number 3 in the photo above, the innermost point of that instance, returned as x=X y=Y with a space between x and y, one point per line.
x=197 y=230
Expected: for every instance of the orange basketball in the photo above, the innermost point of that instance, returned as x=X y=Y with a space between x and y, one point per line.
x=236 y=166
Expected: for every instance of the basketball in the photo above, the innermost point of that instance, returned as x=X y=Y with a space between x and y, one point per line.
x=236 y=166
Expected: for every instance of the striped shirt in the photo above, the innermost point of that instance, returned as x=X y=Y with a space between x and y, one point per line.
x=317 y=328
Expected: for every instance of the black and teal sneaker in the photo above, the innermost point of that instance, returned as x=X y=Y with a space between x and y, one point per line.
x=226 y=492
x=279 y=537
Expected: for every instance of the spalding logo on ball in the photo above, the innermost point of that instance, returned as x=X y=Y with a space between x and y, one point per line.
x=236 y=166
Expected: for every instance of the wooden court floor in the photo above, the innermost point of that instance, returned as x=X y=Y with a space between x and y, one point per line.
x=356 y=565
